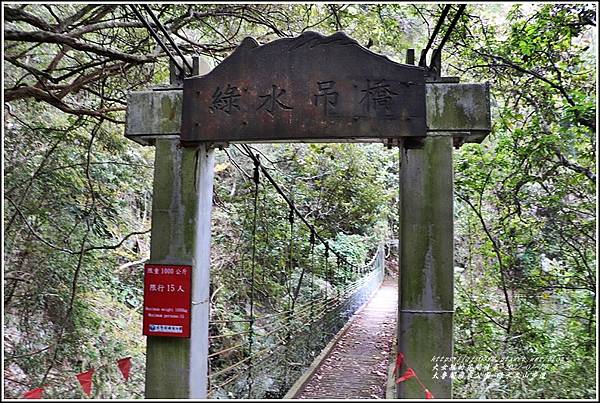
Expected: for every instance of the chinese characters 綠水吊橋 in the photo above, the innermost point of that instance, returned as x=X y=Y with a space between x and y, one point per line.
x=271 y=100
x=326 y=92
x=378 y=94
x=225 y=101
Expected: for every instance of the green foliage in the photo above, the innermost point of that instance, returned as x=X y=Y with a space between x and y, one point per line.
x=77 y=195
x=77 y=186
x=526 y=209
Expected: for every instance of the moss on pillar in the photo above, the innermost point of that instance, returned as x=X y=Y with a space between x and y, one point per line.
x=426 y=263
x=172 y=242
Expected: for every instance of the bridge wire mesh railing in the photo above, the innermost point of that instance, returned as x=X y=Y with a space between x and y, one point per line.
x=261 y=351
x=312 y=325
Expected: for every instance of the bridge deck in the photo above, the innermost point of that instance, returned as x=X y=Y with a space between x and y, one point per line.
x=356 y=366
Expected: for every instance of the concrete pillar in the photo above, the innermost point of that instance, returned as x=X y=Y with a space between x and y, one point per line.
x=177 y=368
x=172 y=242
x=198 y=380
x=426 y=264
x=181 y=211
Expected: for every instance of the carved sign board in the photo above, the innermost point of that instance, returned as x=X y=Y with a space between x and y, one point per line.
x=309 y=88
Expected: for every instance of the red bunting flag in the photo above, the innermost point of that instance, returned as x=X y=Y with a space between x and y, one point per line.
x=399 y=361
x=33 y=394
x=85 y=379
x=428 y=394
x=407 y=375
x=124 y=366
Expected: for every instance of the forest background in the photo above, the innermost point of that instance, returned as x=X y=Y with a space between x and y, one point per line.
x=77 y=195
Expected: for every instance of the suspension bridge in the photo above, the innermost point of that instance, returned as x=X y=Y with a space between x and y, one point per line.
x=261 y=354
x=274 y=350
x=310 y=88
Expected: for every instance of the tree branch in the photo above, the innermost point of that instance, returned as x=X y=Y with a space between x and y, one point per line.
x=15 y=14
x=498 y=256
x=52 y=37
x=40 y=95
x=117 y=245
x=35 y=234
x=573 y=166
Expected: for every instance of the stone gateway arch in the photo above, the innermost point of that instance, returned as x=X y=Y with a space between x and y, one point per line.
x=311 y=88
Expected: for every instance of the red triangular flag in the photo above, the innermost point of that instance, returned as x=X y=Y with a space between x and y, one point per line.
x=407 y=375
x=428 y=394
x=33 y=394
x=124 y=366
x=85 y=379
x=399 y=361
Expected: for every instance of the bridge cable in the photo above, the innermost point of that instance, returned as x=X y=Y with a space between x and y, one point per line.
x=169 y=38
x=265 y=226
x=290 y=203
x=158 y=40
x=329 y=306
x=337 y=270
x=312 y=283
x=325 y=308
x=290 y=268
x=438 y=25
x=438 y=50
x=328 y=281
x=256 y=179
x=291 y=297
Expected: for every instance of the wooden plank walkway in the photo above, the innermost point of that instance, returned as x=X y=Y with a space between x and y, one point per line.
x=356 y=366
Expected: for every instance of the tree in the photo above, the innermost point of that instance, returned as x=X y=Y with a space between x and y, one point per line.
x=527 y=195
x=78 y=195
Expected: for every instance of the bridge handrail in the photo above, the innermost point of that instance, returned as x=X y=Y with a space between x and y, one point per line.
x=301 y=321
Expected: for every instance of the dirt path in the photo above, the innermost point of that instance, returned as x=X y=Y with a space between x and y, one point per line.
x=356 y=366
